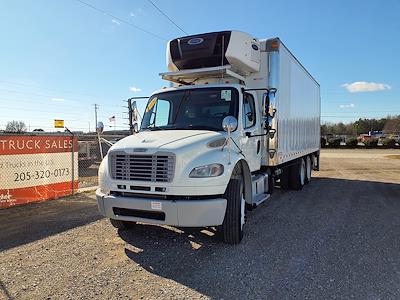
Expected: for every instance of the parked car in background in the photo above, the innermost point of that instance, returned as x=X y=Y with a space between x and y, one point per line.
x=364 y=137
x=396 y=137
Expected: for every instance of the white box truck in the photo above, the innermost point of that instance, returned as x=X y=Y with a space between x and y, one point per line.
x=241 y=115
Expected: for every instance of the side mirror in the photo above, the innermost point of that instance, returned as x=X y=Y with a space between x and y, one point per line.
x=135 y=114
x=229 y=124
x=250 y=116
x=99 y=127
x=135 y=128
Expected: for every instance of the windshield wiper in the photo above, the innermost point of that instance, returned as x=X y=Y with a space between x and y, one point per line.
x=202 y=127
x=189 y=127
x=154 y=128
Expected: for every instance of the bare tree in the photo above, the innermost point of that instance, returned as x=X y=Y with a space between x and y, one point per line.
x=392 y=125
x=16 y=126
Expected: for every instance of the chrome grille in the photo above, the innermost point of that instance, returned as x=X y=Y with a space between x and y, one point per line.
x=157 y=167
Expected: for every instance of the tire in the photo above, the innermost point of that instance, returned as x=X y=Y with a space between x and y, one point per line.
x=271 y=184
x=123 y=225
x=297 y=175
x=308 y=170
x=284 y=179
x=232 y=227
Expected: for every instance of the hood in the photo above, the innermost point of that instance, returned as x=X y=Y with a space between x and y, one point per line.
x=163 y=139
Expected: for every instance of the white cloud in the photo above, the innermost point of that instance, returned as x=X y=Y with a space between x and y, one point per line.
x=136 y=12
x=116 y=22
x=363 y=86
x=58 y=99
x=351 y=105
x=135 y=89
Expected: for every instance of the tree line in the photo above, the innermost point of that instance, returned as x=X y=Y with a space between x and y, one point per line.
x=389 y=125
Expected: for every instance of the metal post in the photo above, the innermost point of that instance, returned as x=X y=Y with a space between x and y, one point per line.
x=96 y=107
x=130 y=116
x=229 y=146
x=101 y=149
x=130 y=108
x=73 y=163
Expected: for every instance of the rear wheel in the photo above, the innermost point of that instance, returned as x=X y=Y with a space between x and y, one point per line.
x=232 y=227
x=284 y=178
x=297 y=175
x=271 y=184
x=308 y=169
x=123 y=225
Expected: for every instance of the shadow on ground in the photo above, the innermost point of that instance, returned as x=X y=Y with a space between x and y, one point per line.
x=335 y=239
x=28 y=223
x=4 y=291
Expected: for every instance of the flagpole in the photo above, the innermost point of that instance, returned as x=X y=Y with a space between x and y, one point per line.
x=113 y=119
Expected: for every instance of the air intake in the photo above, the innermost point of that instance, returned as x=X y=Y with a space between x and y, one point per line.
x=139 y=167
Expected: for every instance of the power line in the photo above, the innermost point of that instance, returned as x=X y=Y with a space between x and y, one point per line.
x=102 y=11
x=165 y=15
x=36 y=87
x=68 y=102
x=49 y=97
x=38 y=110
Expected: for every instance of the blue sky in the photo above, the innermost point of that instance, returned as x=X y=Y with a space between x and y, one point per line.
x=57 y=58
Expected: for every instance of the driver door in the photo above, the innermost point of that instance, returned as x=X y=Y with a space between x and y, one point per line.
x=250 y=143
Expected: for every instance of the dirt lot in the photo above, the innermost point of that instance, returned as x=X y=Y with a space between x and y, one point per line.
x=338 y=238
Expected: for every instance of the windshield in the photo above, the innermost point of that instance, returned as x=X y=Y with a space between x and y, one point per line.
x=201 y=108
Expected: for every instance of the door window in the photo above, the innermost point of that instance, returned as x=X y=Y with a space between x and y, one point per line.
x=249 y=112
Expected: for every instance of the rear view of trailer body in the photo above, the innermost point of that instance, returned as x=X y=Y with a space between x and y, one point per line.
x=296 y=120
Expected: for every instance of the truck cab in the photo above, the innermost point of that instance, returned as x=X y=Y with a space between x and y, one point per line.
x=207 y=147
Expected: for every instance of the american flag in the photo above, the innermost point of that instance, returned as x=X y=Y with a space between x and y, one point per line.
x=111 y=119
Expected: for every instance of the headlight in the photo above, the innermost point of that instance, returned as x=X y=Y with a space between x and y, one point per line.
x=212 y=170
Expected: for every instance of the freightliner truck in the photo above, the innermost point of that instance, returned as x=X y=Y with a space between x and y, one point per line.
x=240 y=115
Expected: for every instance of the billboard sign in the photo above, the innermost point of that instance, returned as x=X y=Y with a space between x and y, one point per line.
x=36 y=168
x=59 y=123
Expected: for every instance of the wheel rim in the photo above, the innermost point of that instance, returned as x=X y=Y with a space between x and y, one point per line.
x=308 y=168
x=242 y=212
x=302 y=172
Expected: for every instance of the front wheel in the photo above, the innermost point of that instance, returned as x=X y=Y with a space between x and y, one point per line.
x=232 y=227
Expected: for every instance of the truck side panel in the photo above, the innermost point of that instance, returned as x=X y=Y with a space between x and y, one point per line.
x=298 y=110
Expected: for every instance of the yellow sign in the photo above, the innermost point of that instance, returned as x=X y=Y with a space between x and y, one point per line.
x=59 y=123
x=151 y=104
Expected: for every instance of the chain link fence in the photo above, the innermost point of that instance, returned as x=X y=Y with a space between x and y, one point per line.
x=42 y=166
x=90 y=156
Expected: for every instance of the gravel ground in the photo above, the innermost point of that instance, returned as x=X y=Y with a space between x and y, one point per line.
x=88 y=176
x=337 y=238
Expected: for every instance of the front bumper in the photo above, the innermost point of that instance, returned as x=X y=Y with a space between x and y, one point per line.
x=184 y=213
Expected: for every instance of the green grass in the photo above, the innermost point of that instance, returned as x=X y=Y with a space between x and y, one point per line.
x=393 y=156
